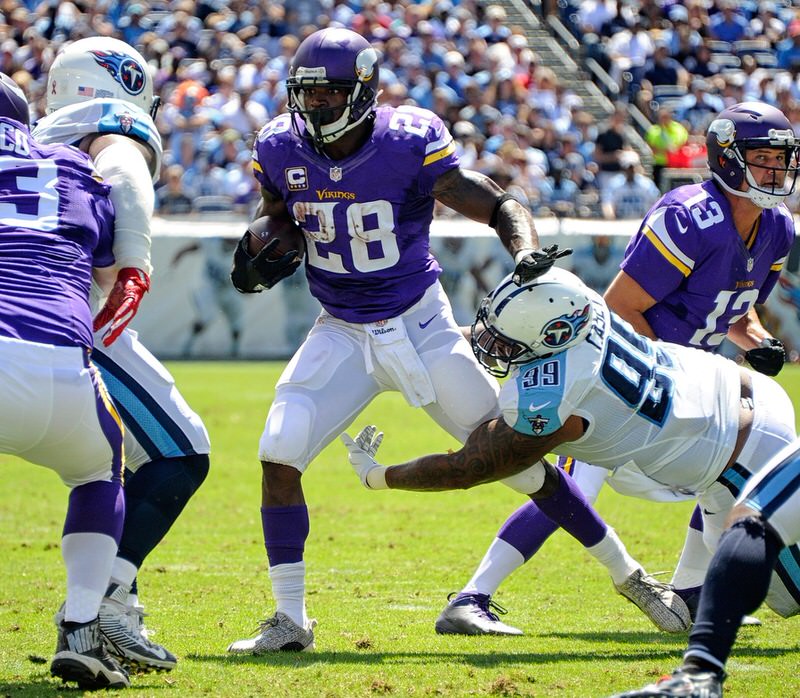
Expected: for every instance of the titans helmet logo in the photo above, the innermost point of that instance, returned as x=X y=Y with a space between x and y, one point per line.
x=126 y=71
x=561 y=330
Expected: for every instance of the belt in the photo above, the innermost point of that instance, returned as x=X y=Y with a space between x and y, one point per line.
x=745 y=417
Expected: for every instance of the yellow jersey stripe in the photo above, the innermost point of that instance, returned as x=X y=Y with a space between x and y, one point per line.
x=257 y=166
x=449 y=149
x=671 y=258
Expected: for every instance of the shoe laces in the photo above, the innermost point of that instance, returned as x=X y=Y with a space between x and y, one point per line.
x=488 y=606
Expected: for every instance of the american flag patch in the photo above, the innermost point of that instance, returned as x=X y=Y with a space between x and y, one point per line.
x=85 y=91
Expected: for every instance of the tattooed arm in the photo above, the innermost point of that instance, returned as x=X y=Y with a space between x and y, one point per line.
x=493 y=451
x=475 y=196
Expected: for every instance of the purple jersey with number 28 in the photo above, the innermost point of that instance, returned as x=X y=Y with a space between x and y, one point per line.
x=689 y=257
x=366 y=218
x=56 y=223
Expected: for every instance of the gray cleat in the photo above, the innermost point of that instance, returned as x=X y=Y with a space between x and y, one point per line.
x=277 y=634
x=473 y=614
x=657 y=600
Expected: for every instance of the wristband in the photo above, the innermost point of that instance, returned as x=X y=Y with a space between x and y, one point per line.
x=376 y=478
x=496 y=211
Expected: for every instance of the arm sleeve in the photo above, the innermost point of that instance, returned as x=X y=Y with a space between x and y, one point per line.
x=125 y=168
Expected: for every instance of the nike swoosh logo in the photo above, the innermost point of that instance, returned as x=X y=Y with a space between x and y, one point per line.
x=682 y=228
x=536 y=408
x=423 y=325
x=159 y=652
x=708 y=513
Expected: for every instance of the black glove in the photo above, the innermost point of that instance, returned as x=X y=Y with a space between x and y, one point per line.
x=536 y=263
x=253 y=274
x=768 y=358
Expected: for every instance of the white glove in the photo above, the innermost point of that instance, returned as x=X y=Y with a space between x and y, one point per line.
x=362 y=457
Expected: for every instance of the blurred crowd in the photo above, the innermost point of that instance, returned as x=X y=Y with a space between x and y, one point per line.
x=220 y=65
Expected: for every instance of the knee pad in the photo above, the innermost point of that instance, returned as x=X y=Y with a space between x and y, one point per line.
x=288 y=432
x=170 y=482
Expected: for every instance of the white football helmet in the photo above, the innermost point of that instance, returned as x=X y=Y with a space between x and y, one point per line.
x=517 y=324
x=99 y=67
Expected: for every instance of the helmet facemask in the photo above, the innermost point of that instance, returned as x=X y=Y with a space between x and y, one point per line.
x=494 y=351
x=328 y=124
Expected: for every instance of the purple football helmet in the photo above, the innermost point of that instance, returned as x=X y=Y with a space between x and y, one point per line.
x=742 y=128
x=13 y=103
x=337 y=59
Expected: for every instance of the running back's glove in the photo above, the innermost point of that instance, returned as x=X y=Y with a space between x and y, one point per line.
x=122 y=303
x=534 y=263
x=768 y=358
x=252 y=274
x=362 y=457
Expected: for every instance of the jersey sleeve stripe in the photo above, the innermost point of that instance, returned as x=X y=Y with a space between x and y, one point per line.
x=777 y=266
x=449 y=149
x=257 y=166
x=683 y=268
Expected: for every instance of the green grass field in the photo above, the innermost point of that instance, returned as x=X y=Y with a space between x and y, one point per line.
x=380 y=565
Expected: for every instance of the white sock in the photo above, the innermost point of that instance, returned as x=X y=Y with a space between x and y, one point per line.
x=289 y=588
x=693 y=563
x=612 y=553
x=500 y=560
x=88 y=558
x=123 y=572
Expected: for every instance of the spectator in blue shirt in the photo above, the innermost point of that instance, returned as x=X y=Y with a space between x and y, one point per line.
x=788 y=53
x=728 y=24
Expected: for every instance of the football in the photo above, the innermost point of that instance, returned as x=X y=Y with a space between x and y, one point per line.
x=266 y=229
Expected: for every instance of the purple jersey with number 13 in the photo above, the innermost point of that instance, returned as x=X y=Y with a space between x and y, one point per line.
x=689 y=257
x=56 y=223
x=367 y=217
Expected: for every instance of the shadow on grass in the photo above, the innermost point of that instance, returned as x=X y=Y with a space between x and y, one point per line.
x=35 y=687
x=487 y=658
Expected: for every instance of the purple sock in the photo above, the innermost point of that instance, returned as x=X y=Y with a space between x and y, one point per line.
x=696 y=522
x=96 y=507
x=569 y=509
x=527 y=529
x=285 y=533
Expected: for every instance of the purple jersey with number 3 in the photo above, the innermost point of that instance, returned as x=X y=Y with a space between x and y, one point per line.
x=689 y=257
x=56 y=223
x=367 y=217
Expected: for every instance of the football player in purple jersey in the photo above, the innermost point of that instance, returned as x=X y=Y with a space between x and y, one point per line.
x=360 y=181
x=704 y=255
x=100 y=99
x=57 y=222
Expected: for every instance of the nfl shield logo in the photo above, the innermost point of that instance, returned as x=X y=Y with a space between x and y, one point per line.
x=335 y=174
x=749 y=264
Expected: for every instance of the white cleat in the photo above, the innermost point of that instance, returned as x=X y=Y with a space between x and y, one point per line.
x=473 y=614
x=658 y=601
x=277 y=634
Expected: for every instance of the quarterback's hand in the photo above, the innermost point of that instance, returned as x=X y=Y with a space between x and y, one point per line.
x=537 y=262
x=768 y=358
x=362 y=457
x=122 y=304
